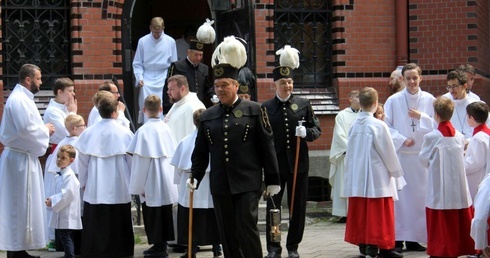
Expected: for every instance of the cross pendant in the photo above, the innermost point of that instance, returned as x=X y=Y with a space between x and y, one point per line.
x=413 y=126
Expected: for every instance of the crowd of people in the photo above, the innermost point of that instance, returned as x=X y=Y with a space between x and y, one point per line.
x=420 y=175
x=408 y=172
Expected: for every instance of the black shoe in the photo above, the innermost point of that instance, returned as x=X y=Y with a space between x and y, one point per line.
x=217 y=254
x=157 y=250
x=20 y=254
x=389 y=254
x=398 y=246
x=414 y=246
x=273 y=255
x=293 y=254
x=342 y=220
x=362 y=249
x=180 y=249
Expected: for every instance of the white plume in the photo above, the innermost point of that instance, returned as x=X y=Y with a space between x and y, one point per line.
x=289 y=56
x=230 y=51
x=206 y=33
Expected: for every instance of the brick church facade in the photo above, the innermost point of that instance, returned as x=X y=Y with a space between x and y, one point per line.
x=344 y=44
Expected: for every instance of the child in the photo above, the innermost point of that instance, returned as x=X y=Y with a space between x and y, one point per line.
x=152 y=176
x=380 y=112
x=207 y=231
x=479 y=224
x=65 y=203
x=475 y=161
x=104 y=171
x=370 y=168
x=448 y=201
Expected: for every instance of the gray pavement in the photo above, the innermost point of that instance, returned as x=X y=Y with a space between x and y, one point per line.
x=323 y=238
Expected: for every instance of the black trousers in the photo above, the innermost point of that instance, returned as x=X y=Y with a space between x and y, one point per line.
x=237 y=217
x=159 y=225
x=297 y=221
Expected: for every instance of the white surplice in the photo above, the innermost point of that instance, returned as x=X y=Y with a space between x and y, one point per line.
x=94 y=117
x=410 y=223
x=151 y=173
x=475 y=160
x=182 y=163
x=103 y=164
x=180 y=116
x=65 y=203
x=22 y=208
x=479 y=224
x=151 y=62
x=460 y=117
x=343 y=121
x=371 y=164
x=443 y=156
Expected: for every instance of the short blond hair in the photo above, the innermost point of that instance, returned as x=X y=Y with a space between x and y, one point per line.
x=157 y=23
x=367 y=97
x=73 y=120
x=444 y=108
x=152 y=105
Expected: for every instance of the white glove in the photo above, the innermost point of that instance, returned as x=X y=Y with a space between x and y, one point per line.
x=272 y=190
x=301 y=131
x=214 y=99
x=191 y=186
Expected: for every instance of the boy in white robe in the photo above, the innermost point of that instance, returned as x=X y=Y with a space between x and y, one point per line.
x=25 y=137
x=475 y=161
x=152 y=176
x=65 y=202
x=59 y=107
x=481 y=220
x=409 y=114
x=153 y=56
x=205 y=231
x=448 y=202
x=104 y=171
x=371 y=166
x=343 y=120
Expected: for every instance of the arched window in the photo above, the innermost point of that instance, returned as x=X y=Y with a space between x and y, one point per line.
x=37 y=32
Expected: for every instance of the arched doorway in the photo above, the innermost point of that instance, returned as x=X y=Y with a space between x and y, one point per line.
x=177 y=14
x=230 y=19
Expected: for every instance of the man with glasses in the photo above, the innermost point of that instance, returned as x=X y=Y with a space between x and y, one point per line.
x=457 y=85
x=154 y=54
x=94 y=116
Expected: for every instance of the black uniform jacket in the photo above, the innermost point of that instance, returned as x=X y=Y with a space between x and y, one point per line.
x=197 y=77
x=284 y=117
x=239 y=139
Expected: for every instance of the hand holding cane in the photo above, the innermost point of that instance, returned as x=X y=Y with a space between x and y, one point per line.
x=295 y=172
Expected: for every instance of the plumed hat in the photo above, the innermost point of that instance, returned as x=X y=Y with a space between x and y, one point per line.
x=229 y=56
x=288 y=60
x=205 y=35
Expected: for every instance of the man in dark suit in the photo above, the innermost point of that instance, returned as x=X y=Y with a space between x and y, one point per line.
x=239 y=138
x=197 y=75
x=285 y=110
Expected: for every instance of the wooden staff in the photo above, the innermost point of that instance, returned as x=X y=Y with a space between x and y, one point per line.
x=295 y=172
x=189 y=235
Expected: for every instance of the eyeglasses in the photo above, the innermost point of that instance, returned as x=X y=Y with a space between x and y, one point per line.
x=452 y=87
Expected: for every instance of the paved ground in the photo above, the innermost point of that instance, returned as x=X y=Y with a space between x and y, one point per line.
x=323 y=238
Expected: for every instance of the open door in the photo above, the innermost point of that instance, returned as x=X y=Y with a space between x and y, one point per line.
x=239 y=21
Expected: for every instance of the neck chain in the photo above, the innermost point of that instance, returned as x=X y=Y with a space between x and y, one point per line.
x=459 y=120
x=413 y=125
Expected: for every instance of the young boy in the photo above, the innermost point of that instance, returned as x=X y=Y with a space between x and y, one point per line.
x=65 y=203
x=448 y=201
x=370 y=170
x=152 y=176
x=207 y=232
x=475 y=161
x=104 y=171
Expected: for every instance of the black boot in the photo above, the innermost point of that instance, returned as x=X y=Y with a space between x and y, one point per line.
x=414 y=246
x=385 y=253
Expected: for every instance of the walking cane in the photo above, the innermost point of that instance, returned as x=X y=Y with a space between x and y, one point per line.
x=189 y=235
x=295 y=172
